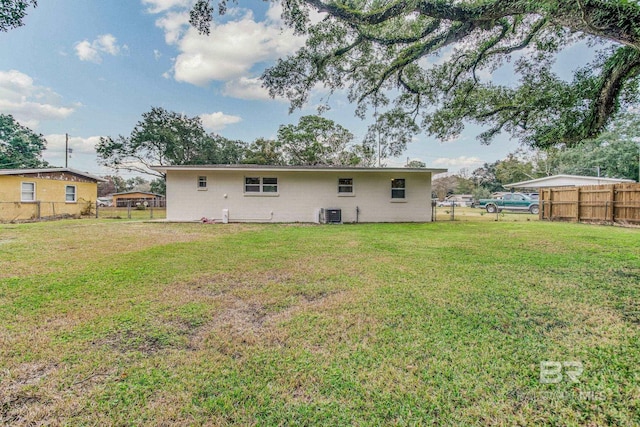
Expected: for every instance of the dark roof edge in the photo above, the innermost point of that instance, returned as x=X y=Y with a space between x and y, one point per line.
x=323 y=168
x=49 y=170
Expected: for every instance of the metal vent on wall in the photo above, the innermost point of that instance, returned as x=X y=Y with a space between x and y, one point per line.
x=333 y=216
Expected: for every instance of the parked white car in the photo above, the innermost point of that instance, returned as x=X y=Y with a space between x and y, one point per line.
x=104 y=201
x=463 y=200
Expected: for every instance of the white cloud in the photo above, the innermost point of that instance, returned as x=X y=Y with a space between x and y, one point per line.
x=233 y=50
x=157 y=54
x=462 y=161
x=83 y=156
x=107 y=43
x=28 y=103
x=79 y=145
x=159 y=6
x=86 y=52
x=93 y=51
x=246 y=88
x=174 y=24
x=218 y=121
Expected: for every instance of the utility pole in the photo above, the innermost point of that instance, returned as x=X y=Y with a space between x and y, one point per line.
x=67 y=150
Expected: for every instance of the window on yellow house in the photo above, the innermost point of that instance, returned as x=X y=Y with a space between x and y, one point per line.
x=70 y=193
x=28 y=192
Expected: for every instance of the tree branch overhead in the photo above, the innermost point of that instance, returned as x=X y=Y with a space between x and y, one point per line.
x=394 y=55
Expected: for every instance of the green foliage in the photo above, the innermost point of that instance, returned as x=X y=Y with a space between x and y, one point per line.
x=113 y=184
x=513 y=169
x=385 y=54
x=223 y=151
x=167 y=138
x=319 y=141
x=614 y=154
x=481 y=193
x=12 y=12
x=264 y=152
x=485 y=177
x=391 y=132
x=137 y=183
x=444 y=186
x=416 y=164
x=158 y=186
x=465 y=185
x=20 y=147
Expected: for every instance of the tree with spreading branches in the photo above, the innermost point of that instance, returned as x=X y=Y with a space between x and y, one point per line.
x=423 y=64
x=165 y=137
x=319 y=141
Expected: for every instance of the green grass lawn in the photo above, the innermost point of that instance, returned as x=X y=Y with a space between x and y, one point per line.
x=447 y=323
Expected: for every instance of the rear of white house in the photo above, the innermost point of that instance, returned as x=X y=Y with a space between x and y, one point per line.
x=252 y=193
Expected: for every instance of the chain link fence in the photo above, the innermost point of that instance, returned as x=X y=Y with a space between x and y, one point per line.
x=46 y=211
x=130 y=211
x=468 y=213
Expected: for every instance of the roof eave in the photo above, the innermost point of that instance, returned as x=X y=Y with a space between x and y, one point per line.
x=50 y=170
x=528 y=184
x=238 y=168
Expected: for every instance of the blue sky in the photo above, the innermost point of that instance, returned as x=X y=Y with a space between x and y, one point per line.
x=91 y=68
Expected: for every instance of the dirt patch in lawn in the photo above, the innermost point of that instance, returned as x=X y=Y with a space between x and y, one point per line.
x=139 y=341
x=20 y=392
x=247 y=322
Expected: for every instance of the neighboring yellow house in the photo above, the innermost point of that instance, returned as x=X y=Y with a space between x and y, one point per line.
x=46 y=193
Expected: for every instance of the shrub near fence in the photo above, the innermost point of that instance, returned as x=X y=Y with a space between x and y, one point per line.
x=618 y=203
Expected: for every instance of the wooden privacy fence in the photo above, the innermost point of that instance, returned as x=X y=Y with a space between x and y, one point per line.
x=597 y=203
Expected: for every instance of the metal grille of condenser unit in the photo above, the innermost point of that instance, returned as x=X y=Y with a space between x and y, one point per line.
x=333 y=216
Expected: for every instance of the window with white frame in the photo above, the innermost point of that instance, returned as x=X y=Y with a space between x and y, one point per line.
x=28 y=192
x=260 y=185
x=70 y=193
x=398 y=188
x=202 y=183
x=345 y=185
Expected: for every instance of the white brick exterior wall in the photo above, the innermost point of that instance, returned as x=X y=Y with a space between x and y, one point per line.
x=300 y=196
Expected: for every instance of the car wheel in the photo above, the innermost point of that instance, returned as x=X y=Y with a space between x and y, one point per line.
x=491 y=208
x=534 y=209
